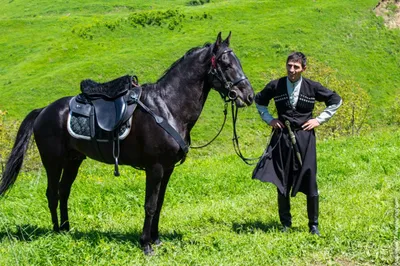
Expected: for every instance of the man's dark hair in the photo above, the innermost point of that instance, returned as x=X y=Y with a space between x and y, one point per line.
x=297 y=57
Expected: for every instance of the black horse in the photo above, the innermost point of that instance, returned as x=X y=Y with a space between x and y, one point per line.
x=178 y=97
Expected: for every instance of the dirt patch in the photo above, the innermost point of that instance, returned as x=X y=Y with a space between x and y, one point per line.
x=390 y=11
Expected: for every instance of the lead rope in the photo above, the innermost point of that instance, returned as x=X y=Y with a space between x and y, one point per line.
x=219 y=132
x=235 y=139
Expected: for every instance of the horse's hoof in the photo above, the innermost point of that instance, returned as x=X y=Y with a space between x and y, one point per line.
x=157 y=242
x=148 y=251
x=64 y=228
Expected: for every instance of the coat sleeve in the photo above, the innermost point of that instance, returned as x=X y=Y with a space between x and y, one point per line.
x=264 y=97
x=326 y=95
x=332 y=101
x=262 y=101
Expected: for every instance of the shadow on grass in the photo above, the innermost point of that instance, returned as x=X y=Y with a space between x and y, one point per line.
x=28 y=233
x=25 y=233
x=251 y=227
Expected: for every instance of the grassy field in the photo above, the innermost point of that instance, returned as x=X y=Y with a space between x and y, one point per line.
x=214 y=214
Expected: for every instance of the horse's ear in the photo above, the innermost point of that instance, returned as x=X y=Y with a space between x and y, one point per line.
x=228 y=39
x=217 y=43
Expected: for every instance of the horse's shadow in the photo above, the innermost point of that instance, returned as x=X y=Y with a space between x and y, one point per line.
x=28 y=233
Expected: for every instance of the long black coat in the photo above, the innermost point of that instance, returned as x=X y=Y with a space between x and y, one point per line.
x=279 y=164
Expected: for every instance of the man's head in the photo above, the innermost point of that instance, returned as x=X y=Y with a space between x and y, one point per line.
x=296 y=64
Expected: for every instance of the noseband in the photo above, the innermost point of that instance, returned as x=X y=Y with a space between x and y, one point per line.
x=227 y=92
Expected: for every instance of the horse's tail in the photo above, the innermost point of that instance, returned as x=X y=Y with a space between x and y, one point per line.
x=16 y=158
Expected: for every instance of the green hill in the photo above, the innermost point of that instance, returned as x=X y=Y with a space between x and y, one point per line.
x=48 y=47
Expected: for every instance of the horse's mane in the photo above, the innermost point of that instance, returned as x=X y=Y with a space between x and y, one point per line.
x=189 y=52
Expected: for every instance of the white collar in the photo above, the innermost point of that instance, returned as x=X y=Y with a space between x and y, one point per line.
x=296 y=83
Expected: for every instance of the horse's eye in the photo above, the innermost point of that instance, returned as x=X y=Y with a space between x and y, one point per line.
x=228 y=65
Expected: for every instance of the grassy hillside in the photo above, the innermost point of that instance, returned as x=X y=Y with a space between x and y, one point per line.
x=48 y=47
x=214 y=214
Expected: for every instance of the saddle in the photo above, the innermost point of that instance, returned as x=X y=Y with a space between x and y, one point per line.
x=103 y=111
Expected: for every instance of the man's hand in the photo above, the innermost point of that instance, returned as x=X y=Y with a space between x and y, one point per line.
x=275 y=123
x=310 y=124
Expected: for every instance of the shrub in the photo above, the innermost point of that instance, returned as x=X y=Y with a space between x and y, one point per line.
x=197 y=2
x=8 y=132
x=351 y=116
x=393 y=116
x=83 y=31
x=171 y=19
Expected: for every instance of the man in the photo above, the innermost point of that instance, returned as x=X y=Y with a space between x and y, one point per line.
x=292 y=166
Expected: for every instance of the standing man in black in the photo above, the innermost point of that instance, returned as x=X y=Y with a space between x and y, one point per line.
x=292 y=166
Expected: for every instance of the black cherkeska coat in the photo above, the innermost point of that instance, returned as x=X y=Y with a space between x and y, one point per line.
x=279 y=164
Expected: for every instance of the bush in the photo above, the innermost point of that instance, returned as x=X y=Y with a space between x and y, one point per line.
x=351 y=117
x=198 y=2
x=171 y=19
x=8 y=132
x=393 y=116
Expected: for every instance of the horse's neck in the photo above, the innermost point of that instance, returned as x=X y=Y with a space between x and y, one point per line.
x=184 y=88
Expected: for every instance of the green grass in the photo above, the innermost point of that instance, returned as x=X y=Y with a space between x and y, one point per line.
x=214 y=214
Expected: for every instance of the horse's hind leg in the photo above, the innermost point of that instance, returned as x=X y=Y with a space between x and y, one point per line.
x=53 y=177
x=53 y=157
x=68 y=177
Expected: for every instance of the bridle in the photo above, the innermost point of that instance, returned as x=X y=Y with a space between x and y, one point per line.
x=226 y=91
x=228 y=94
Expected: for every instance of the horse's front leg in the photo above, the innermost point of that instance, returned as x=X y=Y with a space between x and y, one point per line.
x=154 y=225
x=154 y=176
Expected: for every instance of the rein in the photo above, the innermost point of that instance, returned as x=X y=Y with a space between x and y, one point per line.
x=230 y=96
x=235 y=139
x=219 y=132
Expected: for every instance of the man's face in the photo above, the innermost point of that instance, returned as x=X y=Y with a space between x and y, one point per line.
x=294 y=70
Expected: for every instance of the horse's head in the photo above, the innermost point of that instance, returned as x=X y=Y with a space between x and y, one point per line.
x=227 y=76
